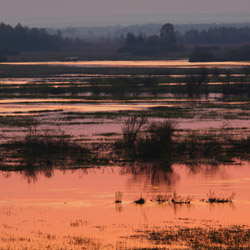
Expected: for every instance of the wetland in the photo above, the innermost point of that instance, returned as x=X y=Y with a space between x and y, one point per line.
x=125 y=155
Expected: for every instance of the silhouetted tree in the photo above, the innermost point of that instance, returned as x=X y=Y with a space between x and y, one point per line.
x=167 y=35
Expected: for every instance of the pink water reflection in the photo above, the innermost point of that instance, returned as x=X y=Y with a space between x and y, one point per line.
x=80 y=203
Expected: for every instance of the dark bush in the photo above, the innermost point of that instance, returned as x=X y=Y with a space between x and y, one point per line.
x=158 y=141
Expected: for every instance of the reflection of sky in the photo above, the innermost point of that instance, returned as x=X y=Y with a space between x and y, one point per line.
x=81 y=202
x=153 y=64
x=98 y=186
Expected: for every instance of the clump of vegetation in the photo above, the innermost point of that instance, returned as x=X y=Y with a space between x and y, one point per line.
x=161 y=142
x=118 y=197
x=140 y=201
x=205 y=145
x=161 y=198
x=178 y=199
x=42 y=152
x=157 y=143
x=213 y=198
x=130 y=129
x=174 y=198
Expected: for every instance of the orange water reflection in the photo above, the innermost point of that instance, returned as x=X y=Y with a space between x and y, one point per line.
x=14 y=106
x=81 y=204
x=153 y=64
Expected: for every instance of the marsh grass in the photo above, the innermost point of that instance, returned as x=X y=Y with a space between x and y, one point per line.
x=161 y=142
x=160 y=198
x=118 y=197
x=16 y=121
x=173 y=198
x=213 y=198
x=178 y=199
x=228 y=237
x=41 y=152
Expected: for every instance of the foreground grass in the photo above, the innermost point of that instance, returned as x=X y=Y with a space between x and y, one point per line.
x=233 y=237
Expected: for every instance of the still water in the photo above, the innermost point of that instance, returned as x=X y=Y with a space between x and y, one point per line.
x=58 y=207
x=153 y=64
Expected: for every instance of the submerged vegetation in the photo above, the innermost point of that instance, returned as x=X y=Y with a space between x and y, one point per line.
x=227 y=237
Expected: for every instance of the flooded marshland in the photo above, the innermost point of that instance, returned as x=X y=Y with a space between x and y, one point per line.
x=67 y=183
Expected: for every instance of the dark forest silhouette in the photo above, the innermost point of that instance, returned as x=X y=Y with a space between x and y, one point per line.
x=20 y=38
x=197 y=45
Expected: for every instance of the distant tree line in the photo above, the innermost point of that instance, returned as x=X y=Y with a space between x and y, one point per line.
x=216 y=35
x=206 y=43
x=20 y=38
x=142 y=44
x=93 y=33
x=211 y=54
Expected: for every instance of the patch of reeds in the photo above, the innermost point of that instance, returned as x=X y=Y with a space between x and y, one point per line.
x=173 y=198
x=43 y=151
x=118 y=197
x=213 y=198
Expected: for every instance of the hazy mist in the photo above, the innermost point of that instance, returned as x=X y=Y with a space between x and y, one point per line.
x=96 y=12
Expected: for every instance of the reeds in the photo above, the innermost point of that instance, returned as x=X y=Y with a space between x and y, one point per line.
x=118 y=197
x=213 y=198
x=173 y=198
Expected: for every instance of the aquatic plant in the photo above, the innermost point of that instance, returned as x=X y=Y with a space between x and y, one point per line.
x=118 y=197
x=213 y=198
x=178 y=199
x=161 y=198
x=140 y=201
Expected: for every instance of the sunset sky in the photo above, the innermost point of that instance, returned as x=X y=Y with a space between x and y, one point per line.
x=23 y=10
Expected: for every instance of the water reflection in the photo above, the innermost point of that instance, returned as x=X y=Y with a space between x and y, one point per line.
x=31 y=172
x=148 y=174
x=152 y=173
x=152 y=64
x=205 y=169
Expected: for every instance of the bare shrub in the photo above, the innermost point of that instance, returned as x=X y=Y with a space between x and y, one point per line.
x=130 y=129
x=158 y=141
